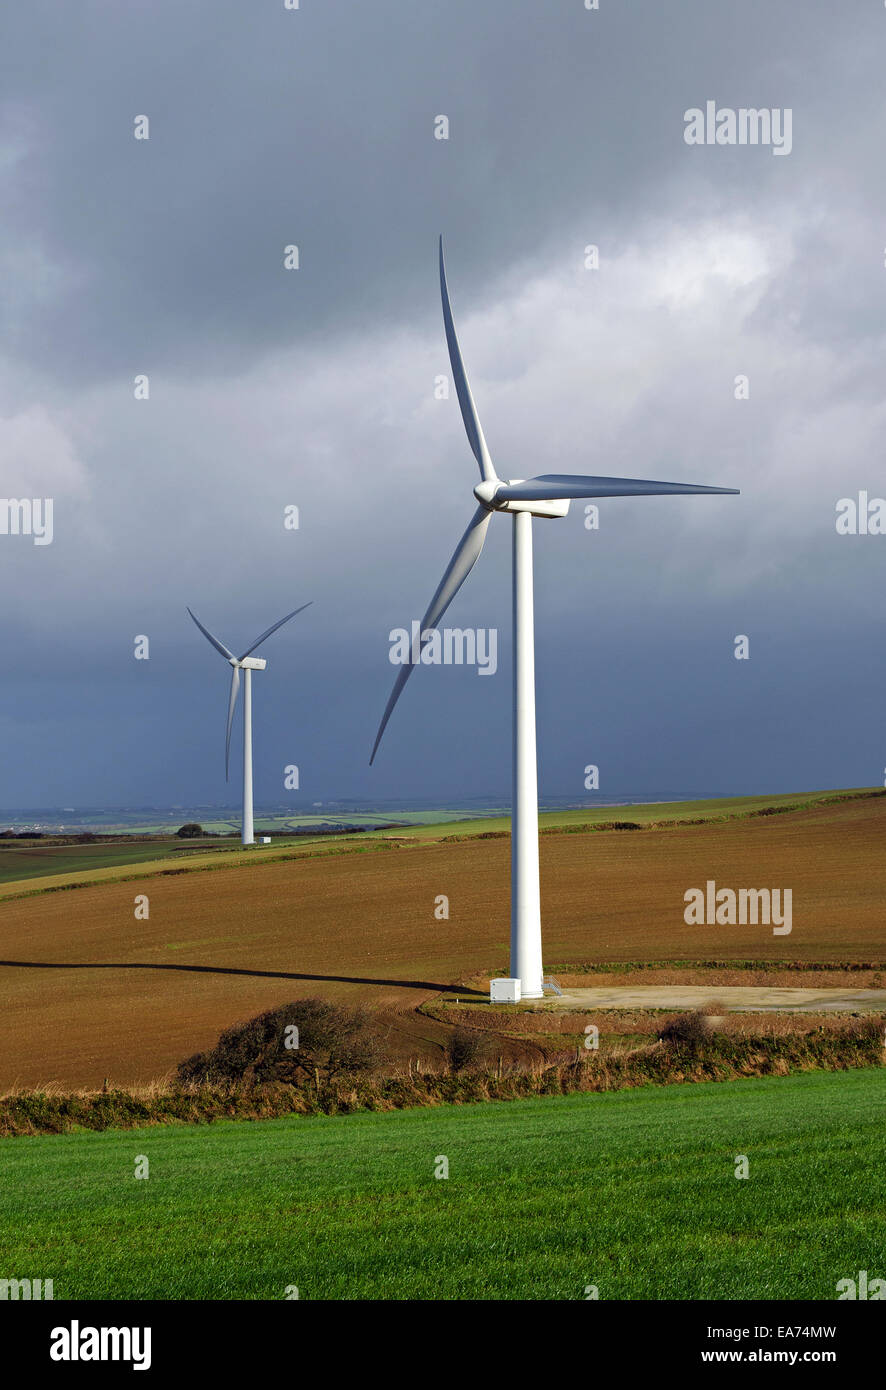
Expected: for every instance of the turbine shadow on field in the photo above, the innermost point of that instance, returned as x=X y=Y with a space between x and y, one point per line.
x=236 y=970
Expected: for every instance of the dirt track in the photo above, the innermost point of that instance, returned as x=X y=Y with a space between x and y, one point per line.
x=735 y=998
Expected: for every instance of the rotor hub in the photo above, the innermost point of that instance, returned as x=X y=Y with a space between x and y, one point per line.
x=485 y=492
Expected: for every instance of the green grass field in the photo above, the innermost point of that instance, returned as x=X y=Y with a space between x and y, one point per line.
x=31 y=859
x=36 y=861
x=633 y=1192
x=649 y=813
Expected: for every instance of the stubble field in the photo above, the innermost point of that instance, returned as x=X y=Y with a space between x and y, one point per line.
x=89 y=991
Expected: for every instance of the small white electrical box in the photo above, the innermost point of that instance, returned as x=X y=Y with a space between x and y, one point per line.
x=264 y=839
x=504 y=991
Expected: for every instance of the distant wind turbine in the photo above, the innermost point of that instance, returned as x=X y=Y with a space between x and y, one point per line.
x=247 y=663
x=545 y=496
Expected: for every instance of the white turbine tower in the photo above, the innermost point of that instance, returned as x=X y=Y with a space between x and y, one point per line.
x=545 y=496
x=247 y=663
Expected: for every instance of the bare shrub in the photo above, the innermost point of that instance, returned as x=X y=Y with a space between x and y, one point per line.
x=462 y=1048
x=692 y=1029
x=302 y=1041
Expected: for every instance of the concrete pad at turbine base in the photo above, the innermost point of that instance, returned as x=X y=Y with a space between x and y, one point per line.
x=735 y=998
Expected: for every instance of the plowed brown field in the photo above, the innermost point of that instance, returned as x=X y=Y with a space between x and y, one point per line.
x=87 y=991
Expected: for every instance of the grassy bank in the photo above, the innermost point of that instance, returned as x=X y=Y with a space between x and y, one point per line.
x=718 y=1058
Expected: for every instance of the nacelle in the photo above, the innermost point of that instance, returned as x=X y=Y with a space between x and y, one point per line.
x=485 y=494
x=559 y=507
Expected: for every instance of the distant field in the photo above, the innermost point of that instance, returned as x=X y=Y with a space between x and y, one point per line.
x=544 y=1198
x=30 y=859
x=638 y=815
x=123 y=824
x=152 y=857
x=64 y=864
x=302 y=821
x=33 y=860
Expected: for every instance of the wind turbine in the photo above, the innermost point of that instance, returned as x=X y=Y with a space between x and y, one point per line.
x=247 y=663
x=546 y=496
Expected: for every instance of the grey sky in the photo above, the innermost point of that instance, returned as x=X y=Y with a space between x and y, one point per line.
x=316 y=387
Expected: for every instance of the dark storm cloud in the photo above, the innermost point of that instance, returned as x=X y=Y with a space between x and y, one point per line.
x=315 y=126
x=315 y=387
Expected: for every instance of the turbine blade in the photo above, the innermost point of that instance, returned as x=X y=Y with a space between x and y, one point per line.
x=467 y=553
x=219 y=646
x=235 y=686
x=551 y=486
x=465 y=399
x=259 y=640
